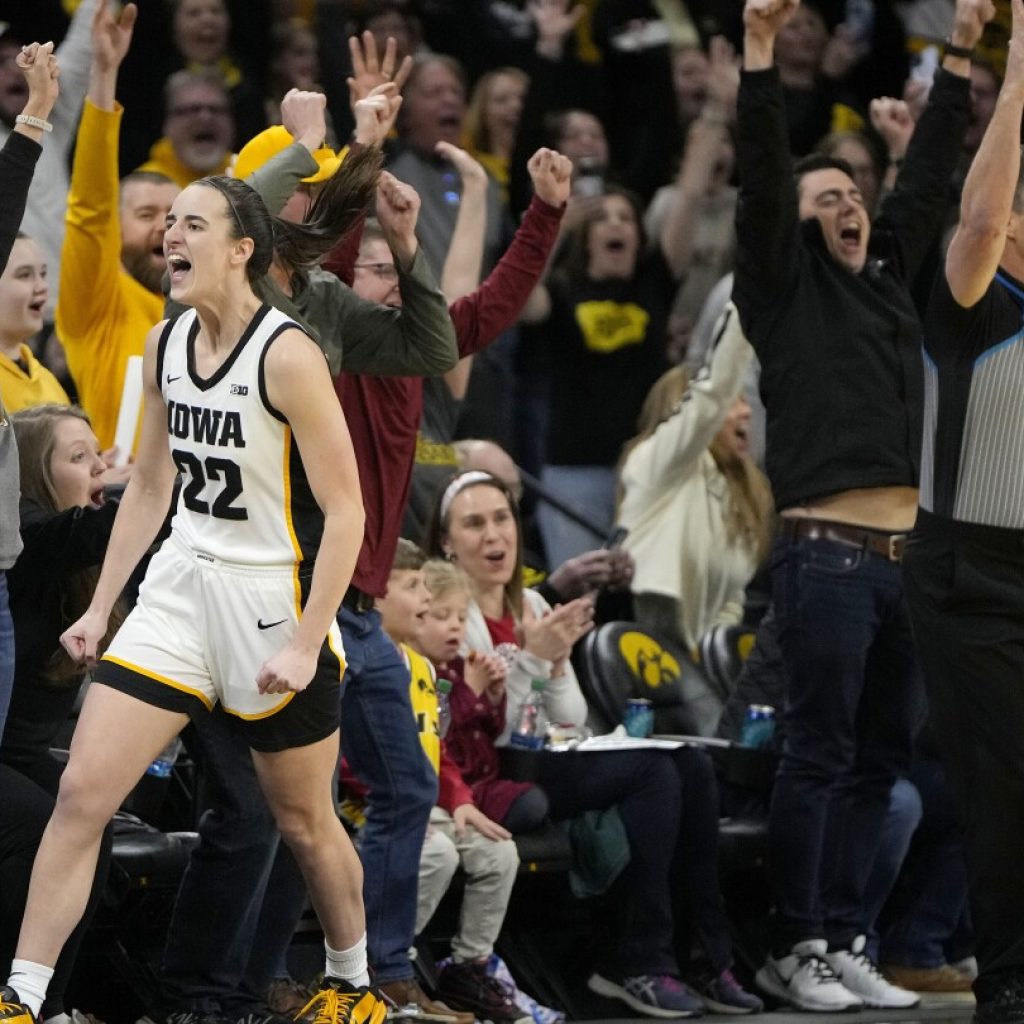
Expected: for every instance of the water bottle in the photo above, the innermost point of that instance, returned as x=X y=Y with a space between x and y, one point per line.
x=531 y=729
x=162 y=767
x=444 y=706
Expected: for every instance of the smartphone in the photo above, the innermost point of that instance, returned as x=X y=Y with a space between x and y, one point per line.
x=614 y=539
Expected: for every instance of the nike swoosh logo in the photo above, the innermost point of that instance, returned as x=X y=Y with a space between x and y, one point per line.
x=171 y=380
x=267 y=625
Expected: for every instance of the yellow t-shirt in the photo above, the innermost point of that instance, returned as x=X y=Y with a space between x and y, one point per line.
x=423 y=695
x=22 y=389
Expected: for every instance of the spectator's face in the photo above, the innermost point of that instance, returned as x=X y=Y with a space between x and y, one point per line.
x=482 y=535
x=583 y=139
x=865 y=176
x=13 y=87
x=613 y=240
x=144 y=208
x=504 y=105
x=801 y=41
x=690 y=81
x=201 y=30
x=984 y=93
x=733 y=437
x=298 y=65
x=834 y=199
x=434 y=108
x=23 y=292
x=375 y=278
x=404 y=607
x=76 y=468
x=444 y=626
x=200 y=126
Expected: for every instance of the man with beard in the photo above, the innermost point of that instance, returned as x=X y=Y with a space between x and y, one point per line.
x=112 y=260
x=198 y=128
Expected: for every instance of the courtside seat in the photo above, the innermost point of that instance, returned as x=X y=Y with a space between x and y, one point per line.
x=143 y=857
x=722 y=651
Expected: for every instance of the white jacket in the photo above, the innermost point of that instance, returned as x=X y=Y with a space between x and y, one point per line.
x=675 y=499
x=563 y=699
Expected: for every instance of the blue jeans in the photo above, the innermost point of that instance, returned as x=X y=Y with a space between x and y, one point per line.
x=6 y=652
x=591 y=489
x=901 y=822
x=923 y=924
x=854 y=704
x=382 y=746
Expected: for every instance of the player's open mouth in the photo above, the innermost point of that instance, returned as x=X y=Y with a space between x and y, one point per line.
x=178 y=267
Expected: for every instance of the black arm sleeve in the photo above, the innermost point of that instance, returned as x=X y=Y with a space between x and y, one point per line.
x=915 y=210
x=17 y=162
x=767 y=218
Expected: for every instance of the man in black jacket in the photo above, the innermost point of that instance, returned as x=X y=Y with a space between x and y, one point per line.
x=823 y=297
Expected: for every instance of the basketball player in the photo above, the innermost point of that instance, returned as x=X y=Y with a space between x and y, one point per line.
x=239 y=604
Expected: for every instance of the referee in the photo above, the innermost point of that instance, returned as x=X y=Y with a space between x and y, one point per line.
x=964 y=564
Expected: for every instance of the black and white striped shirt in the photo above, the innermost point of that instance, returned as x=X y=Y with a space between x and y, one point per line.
x=972 y=460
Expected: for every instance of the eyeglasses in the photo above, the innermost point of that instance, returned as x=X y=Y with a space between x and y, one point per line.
x=194 y=109
x=385 y=271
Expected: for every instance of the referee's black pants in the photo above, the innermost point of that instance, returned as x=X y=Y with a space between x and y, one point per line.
x=965 y=588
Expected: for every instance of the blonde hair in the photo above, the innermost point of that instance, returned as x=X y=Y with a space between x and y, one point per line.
x=750 y=506
x=408 y=556
x=476 y=133
x=443 y=577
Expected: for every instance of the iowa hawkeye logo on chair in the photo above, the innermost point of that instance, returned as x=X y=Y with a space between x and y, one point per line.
x=649 y=661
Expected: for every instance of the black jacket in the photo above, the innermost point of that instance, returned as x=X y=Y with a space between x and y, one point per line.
x=840 y=353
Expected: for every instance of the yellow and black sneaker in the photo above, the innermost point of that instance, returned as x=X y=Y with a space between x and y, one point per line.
x=11 y=1011
x=334 y=1004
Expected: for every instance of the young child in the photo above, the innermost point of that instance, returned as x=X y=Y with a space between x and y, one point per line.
x=459 y=833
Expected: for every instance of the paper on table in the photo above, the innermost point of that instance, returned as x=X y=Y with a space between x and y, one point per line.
x=128 y=414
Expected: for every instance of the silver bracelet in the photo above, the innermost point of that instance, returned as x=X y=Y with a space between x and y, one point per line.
x=34 y=122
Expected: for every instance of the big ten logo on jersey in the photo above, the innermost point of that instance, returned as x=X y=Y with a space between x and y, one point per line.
x=239 y=389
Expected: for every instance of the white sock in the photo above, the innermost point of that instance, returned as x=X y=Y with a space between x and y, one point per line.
x=60 y=1018
x=348 y=964
x=30 y=980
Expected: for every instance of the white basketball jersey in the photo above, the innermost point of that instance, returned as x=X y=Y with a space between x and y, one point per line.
x=244 y=495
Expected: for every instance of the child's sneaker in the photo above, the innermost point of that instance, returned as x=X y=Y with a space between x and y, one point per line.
x=724 y=994
x=656 y=995
x=467 y=986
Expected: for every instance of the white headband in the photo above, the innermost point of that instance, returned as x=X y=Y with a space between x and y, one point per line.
x=459 y=484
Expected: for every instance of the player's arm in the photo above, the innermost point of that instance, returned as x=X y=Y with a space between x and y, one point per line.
x=141 y=515
x=299 y=387
x=988 y=197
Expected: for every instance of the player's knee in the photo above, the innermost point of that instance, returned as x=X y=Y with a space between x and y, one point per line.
x=82 y=803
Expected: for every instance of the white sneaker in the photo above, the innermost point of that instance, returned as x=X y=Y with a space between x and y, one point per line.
x=804 y=979
x=860 y=975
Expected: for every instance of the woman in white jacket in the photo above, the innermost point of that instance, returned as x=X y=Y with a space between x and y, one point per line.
x=477 y=525
x=697 y=508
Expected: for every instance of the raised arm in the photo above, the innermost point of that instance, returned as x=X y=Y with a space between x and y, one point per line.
x=703 y=145
x=75 y=56
x=767 y=217
x=678 y=441
x=417 y=340
x=514 y=283
x=915 y=210
x=91 y=255
x=140 y=516
x=21 y=152
x=299 y=387
x=989 y=191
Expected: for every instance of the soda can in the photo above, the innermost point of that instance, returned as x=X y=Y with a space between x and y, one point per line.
x=758 y=726
x=639 y=718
